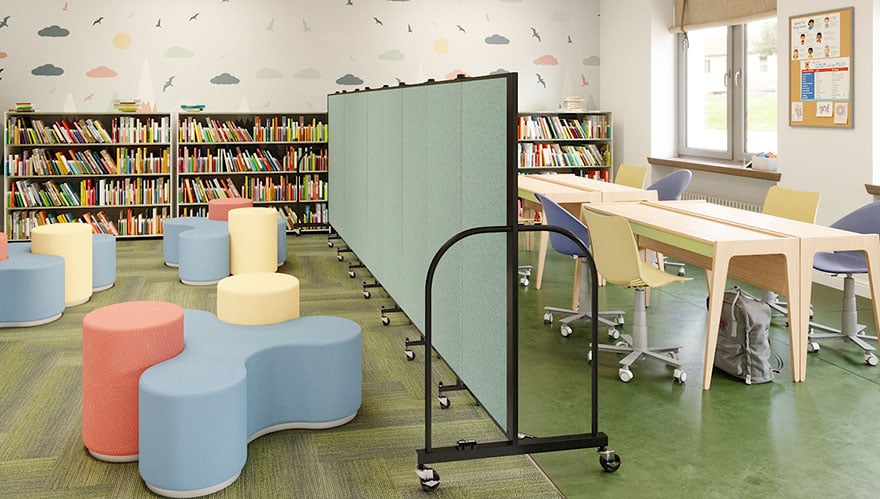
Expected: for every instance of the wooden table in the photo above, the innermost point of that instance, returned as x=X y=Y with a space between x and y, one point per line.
x=812 y=238
x=760 y=257
x=571 y=191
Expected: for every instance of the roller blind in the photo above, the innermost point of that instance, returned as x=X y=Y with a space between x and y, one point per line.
x=712 y=13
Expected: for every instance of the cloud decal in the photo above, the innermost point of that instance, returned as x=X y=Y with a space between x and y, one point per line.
x=455 y=73
x=392 y=55
x=496 y=39
x=268 y=74
x=102 y=72
x=225 y=79
x=499 y=71
x=349 y=79
x=307 y=74
x=54 y=31
x=593 y=60
x=3 y=55
x=546 y=60
x=178 y=52
x=47 y=70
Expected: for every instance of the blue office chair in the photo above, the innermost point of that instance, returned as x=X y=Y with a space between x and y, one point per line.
x=557 y=215
x=670 y=188
x=865 y=220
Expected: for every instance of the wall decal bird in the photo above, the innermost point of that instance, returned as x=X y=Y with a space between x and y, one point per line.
x=378 y=21
x=98 y=20
x=535 y=34
x=194 y=16
x=541 y=80
x=168 y=83
x=5 y=22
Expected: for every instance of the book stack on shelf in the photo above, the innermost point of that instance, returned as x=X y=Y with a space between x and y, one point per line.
x=566 y=142
x=276 y=160
x=105 y=169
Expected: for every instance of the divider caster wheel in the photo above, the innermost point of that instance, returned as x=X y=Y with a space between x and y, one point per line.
x=625 y=374
x=620 y=320
x=813 y=346
x=679 y=375
x=609 y=460
x=386 y=320
x=590 y=356
x=410 y=355
x=870 y=359
x=524 y=281
x=565 y=330
x=444 y=402
x=548 y=317
x=429 y=478
x=351 y=274
x=340 y=257
x=367 y=295
x=613 y=333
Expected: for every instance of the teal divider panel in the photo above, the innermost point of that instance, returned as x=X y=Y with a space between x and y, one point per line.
x=417 y=165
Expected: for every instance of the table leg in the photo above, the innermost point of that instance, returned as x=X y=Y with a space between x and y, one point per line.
x=542 y=254
x=718 y=280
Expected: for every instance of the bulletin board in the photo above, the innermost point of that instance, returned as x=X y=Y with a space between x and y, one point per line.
x=821 y=69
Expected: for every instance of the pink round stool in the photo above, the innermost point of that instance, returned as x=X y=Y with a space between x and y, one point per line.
x=218 y=209
x=120 y=342
x=4 y=246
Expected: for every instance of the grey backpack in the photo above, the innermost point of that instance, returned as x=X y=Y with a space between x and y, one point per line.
x=743 y=347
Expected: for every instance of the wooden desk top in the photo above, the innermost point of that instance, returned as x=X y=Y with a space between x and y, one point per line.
x=609 y=191
x=528 y=185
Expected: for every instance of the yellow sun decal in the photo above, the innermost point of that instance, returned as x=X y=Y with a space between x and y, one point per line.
x=121 y=41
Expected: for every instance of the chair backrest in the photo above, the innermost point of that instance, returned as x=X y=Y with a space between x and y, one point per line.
x=865 y=220
x=557 y=215
x=672 y=186
x=631 y=175
x=792 y=204
x=614 y=249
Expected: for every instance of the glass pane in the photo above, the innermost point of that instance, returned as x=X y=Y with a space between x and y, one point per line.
x=706 y=100
x=761 y=64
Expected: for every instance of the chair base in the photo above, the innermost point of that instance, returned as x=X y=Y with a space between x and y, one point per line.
x=574 y=315
x=850 y=329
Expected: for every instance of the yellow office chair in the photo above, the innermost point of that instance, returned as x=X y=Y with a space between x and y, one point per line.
x=631 y=175
x=618 y=260
x=793 y=205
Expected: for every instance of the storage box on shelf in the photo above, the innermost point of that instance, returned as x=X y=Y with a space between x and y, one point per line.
x=278 y=160
x=110 y=170
x=578 y=143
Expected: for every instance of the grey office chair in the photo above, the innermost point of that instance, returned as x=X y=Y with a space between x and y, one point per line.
x=670 y=188
x=557 y=215
x=865 y=220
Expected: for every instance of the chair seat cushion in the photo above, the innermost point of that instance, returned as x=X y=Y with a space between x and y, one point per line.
x=841 y=262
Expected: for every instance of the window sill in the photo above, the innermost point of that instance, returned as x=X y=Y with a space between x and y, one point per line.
x=716 y=167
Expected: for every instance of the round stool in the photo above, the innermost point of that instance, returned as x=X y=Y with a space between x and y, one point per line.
x=204 y=254
x=119 y=343
x=73 y=241
x=31 y=287
x=218 y=209
x=4 y=246
x=253 y=240
x=258 y=298
x=103 y=261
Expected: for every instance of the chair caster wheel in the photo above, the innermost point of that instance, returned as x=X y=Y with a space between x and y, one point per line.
x=672 y=355
x=386 y=321
x=681 y=272
x=329 y=244
x=565 y=330
x=367 y=295
x=340 y=257
x=620 y=320
x=590 y=356
x=871 y=359
x=429 y=478
x=613 y=333
x=621 y=343
x=625 y=375
x=812 y=347
x=679 y=375
x=609 y=460
x=410 y=355
x=525 y=282
x=351 y=274
x=444 y=402
x=548 y=318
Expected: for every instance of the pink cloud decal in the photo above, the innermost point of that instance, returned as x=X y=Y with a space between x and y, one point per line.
x=455 y=74
x=546 y=60
x=102 y=72
x=3 y=55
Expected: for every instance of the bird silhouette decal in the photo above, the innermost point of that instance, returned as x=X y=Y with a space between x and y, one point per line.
x=535 y=34
x=569 y=39
x=1 y=70
x=65 y=9
x=98 y=20
x=88 y=97
x=159 y=22
x=408 y=28
x=306 y=27
x=194 y=16
x=349 y=3
x=5 y=22
x=460 y=28
x=584 y=81
x=378 y=21
x=168 y=83
x=541 y=80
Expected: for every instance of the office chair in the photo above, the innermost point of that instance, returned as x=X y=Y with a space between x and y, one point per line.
x=865 y=220
x=793 y=205
x=670 y=188
x=557 y=215
x=631 y=175
x=617 y=259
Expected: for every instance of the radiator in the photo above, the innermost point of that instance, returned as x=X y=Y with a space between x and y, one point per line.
x=734 y=203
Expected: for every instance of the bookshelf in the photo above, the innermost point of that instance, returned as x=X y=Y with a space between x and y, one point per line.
x=111 y=170
x=566 y=142
x=278 y=160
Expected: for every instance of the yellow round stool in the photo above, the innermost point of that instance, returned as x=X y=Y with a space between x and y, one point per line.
x=258 y=298
x=253 y=240
x=73 y=242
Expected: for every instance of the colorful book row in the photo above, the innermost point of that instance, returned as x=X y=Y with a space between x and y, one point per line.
x=561 y=128
x=147 y=222
x=276 y=129
x=267 y=188
x=561 y=155
x=90 y=192
x=123 y=161
x=123 y=130
x=227 y=160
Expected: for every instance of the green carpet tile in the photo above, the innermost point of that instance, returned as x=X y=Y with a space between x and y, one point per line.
x=41 y=450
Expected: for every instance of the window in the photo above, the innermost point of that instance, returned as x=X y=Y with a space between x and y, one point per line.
x=727 y=91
